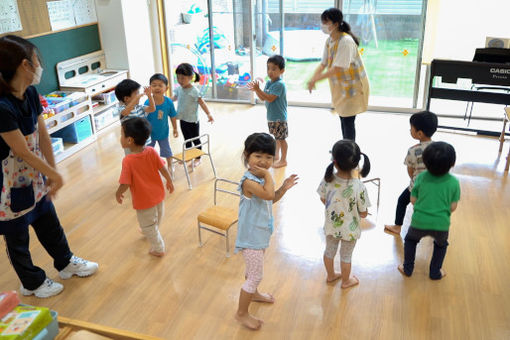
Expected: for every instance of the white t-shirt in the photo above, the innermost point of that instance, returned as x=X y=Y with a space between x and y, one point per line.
x=346 y=52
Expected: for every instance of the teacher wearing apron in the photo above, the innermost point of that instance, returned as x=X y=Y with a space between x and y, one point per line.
x=28 y=177
x=341 y=64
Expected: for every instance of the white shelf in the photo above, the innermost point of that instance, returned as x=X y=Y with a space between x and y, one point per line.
x=73 y=148
x=104 y=107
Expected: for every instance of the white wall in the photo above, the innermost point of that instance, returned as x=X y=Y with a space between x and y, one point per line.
x=455 y=28
x=126 y=37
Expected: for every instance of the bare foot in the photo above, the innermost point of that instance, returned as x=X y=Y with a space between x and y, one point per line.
x=262 y=297
x=351 y=282
x=279 y=164
x=197 y=162
x=443 y=273
x=334 y=278
x=401 y=270
x=249 y=321
x=394 y=229
x=157 y=253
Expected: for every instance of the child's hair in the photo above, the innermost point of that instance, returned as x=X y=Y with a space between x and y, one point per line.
x=258 y=142
x=335 y=16
x=278 y=60
x=187 y=70
x=346 y=154
x=424 y=121
x=439 y=158
x=159 y=76
x=125 y=88
x=137 y=128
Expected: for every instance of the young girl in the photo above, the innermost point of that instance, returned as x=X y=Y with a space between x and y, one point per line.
x=346 y=201
x=255 y=224
x=189 y=98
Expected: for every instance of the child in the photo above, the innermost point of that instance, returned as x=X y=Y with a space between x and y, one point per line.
x=423 y=126
x=435 y=195
x=127 y=93
x=188 y=99
x=275 y=96
x=159 y=118
x=140 y=174
x=255 y=224
x=346 y=201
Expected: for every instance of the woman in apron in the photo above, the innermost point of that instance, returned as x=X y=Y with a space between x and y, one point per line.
x=342 y=65
x=28 y=176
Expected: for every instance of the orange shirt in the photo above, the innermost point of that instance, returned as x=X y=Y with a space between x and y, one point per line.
x=141 y=172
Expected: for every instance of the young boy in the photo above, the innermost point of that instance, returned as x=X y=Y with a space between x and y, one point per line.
x=165 y=109
x=423 y=126
x=275 y=96
x=140 y=174
x=127 y=93
x=435 y=195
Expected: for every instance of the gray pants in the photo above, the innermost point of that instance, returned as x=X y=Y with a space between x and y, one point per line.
x=149 y=220
x=346 y=248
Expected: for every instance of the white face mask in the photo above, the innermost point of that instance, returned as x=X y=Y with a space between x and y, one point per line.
x=326 y=29
x=37 y=75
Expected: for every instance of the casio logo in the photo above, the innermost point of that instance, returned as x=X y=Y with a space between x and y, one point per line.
x=500 y=70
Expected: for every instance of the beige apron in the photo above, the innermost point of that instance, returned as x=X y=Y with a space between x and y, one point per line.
x=349 y=87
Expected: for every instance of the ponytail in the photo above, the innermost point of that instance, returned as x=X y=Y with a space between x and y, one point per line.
x=197 y=76
x=328 y=175
x=5 y=88
x=345 y=27
x=366 y=166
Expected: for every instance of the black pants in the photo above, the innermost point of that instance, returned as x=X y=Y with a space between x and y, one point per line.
x=413 y=237
x=348 y=128
x=52 y=237
x=403 y=201
x=191 y=130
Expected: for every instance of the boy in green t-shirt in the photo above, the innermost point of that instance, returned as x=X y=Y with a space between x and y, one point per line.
x=435 y=195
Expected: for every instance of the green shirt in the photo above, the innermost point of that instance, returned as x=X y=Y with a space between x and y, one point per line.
x=434 y=195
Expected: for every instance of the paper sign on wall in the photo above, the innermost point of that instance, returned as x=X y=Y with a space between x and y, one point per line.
x=9 y=16
x=69 y=13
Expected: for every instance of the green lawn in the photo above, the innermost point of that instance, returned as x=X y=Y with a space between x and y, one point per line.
x=391 y=73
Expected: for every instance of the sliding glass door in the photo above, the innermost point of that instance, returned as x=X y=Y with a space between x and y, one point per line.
x=244 y=33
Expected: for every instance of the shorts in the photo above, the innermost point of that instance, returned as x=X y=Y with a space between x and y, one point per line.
x=278 y=129
x=164 y=147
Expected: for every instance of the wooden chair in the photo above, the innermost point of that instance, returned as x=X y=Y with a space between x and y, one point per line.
x=218 y=217
x=502 y=137
x=192 y=152
x=375 y=181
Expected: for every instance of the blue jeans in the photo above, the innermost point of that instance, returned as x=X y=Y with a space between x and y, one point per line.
x=413 y=237
x=164 y=147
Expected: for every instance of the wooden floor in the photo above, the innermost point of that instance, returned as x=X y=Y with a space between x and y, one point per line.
x=192 y=292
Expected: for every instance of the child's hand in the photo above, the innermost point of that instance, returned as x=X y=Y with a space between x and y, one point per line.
x=210 y=119
x=259 y=172
x=170 y=186
x=119 y=196
x=147 y=91
x=290 y=181
x=253 y=85
x=311 y=85
x=176 y=133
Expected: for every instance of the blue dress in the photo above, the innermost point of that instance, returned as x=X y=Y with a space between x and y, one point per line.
x=255 y=224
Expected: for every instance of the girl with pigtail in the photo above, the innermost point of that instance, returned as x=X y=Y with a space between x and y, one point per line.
x=346 y=201
x=188 y=99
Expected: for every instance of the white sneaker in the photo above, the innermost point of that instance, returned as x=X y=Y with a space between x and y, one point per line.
x=78 y=266
x=47 y=289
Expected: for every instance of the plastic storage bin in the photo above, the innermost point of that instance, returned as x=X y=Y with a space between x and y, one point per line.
x=76 y=132
x=57 y=144
x=105 y=97
x=50 y=331
x=58 y=104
